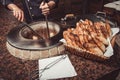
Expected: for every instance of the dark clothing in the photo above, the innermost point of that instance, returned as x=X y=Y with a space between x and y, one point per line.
x=31 y=9
x=2 y=1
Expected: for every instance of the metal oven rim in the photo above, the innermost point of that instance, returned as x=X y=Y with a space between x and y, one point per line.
x=15 y=40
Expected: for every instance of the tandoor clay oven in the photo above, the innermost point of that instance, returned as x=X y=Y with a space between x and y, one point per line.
x=24 y=44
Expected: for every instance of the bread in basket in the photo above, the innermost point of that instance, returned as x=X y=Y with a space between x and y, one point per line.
x=89 y=40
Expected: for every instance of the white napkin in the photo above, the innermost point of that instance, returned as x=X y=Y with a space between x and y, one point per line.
x=117 y=2
x=115 y=31
x=114 y=5
x=61 y=69
x=110 y=5
x=109 y=49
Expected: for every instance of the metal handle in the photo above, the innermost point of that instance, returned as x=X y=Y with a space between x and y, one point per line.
x=48 y=32
x=67 y=16
x=102 y=13
x=104 y=18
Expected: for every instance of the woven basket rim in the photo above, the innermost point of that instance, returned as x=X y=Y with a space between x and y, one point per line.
x=81 y=50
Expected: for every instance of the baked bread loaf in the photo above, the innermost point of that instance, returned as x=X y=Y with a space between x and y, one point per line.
x=89 y=36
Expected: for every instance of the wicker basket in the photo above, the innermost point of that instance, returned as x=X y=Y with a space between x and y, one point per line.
x=87 y=54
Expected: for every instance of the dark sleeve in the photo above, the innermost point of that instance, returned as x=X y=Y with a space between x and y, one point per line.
x=56 y=1
x=6 y=2
x=2 y=1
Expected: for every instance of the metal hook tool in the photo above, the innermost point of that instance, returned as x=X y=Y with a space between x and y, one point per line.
x=46 y=20
x=48 y=32
x=39 y=36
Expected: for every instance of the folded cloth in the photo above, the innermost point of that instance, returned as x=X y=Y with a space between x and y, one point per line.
x=110 y=5
x=115 y=5
x=61 y=69
x=117 y=2
x=109 y=49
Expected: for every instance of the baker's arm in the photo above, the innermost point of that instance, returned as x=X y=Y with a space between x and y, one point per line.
x=17 y=12
x=46 y=7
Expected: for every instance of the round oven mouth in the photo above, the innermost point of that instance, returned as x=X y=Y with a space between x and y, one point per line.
x=29 y=35
x=23 y=38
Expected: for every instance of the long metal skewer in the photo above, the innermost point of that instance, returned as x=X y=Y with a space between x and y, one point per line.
x=46 y=19
x=48 y=32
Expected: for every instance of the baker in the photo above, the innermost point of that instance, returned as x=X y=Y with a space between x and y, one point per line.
x=33 y=10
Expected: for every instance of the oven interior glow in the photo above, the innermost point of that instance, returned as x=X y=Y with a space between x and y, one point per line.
x=34 y=37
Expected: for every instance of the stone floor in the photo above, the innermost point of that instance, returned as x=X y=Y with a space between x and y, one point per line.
x=12 y=68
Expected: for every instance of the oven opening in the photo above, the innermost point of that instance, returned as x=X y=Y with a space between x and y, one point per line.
x=28 y=34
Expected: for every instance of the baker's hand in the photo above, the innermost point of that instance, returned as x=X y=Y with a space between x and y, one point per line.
x=17 y=12
x=45 y=8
